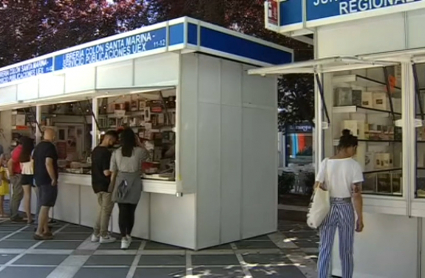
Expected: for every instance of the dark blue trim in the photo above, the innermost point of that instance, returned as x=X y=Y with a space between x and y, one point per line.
x=192 y=34
x=290 y=12
x=176 y=35
x=242 y=47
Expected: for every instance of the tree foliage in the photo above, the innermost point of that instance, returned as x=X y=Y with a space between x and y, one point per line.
x=30 y=28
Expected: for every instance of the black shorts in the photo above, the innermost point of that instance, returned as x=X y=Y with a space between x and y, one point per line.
x=27 y=180
x=48 y=195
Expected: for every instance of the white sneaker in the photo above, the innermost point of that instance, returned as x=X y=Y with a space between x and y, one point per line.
x=94 y=238
x=125 y=243
x=129 y=239
x=107 y=239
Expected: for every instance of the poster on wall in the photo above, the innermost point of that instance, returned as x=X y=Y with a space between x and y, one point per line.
x=272 y=14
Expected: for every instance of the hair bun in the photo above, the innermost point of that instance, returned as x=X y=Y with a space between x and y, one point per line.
x=346 y=133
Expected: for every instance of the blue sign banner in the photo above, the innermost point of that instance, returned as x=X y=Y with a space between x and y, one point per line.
x=26 y=70
x=110 y=50
x=321 y=9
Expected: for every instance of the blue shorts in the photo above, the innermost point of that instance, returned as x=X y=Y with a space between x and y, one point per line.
x=48 y=195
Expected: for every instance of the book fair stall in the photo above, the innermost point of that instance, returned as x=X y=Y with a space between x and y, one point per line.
x=183 y=87
x=369 y=74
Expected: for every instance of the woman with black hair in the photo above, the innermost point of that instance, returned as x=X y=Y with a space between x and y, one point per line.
x=126 y=183
x=342 y=177
x=27 y=171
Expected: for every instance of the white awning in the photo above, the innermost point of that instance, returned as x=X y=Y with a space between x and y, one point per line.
x=323 y=65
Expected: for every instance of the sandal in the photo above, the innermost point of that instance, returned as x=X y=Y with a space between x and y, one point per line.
x=43 y=237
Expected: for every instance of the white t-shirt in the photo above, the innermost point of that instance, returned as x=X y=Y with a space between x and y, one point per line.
x=340 y=176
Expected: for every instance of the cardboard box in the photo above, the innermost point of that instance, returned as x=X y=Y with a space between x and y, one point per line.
x=384 y=183
x=357 y=128
x=367 y=99
x=347 y=97
x=387 y=160
x=369 y=161
x=380 y=101
x=378 y=161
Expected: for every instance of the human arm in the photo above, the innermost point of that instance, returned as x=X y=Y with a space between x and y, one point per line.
x=49 y=162
x=113 y=168
x=321 y=174
x=357 y=196
x=10 y=167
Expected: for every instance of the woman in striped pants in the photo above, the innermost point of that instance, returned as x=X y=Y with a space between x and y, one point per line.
x=342 y=176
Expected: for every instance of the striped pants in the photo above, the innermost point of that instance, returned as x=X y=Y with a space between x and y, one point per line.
x=341 y=216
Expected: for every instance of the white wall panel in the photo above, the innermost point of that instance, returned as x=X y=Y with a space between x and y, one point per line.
x=371 y=35
x=79 y=80
x=117 y=75
x=67 y=203
x=89 y=206
x=6 y=126
x=415 y=23
x=231 y=83
x=172 y=219
x=141 y=223
x=157 y=70
x=258 y=90
x=231 y=172
x=259 y=172
x=8 y=94
x=209 y=79
x=52 y=85
x=387 y=233
x=188 y=122
x=208 y=193
x=28 y=90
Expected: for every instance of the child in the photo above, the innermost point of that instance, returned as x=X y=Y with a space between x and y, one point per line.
x=4 y=184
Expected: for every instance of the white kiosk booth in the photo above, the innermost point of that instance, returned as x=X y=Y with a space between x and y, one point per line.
x=370 y=76
x=224 y=184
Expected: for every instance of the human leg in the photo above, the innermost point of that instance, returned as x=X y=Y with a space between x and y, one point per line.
x=2 y=214
x=346 y=227
x=16 y=199
x=96 y=228
x=131 y=217
x=327 y=236
x=105 y=214
x=27 y=201
x=123 y=219
x=38 y=205
x=48 y=196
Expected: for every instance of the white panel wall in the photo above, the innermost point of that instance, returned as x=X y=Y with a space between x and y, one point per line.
x=371 y=35
x=147 y=69
x=52 y=85
x=6 y=126
x=259 y=158
x=81 y=79
x=235 y=199
x=8 y=94
x=415 y=35
x=67 y=203
x=172 y=219
x=188 y=122
x=28 y=90
x=395 y=252
x=231 y=151
x=115 y=75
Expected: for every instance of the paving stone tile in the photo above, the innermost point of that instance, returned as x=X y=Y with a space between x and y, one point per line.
x=220 y=247
x=259 y=238
x=228 y=272
x=101 y=272
x=22 y=236
x=59 y=245
x=110 y=260
x=157 y=260
x=40 y=259
x=276 y=272
x=266 y=259
x=26 y=272
x=4 y=258
x=15 y=244
x=159 y=272
x=117 y=245
x=77 y=229
x=72 y=236
x=214 y=260
x=150 y=245
x=246 y=244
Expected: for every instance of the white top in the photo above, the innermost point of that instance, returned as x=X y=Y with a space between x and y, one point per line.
x=340 y=176
x=27 y=168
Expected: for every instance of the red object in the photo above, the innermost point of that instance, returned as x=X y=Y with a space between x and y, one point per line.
x=273 y=15
x=15 y=157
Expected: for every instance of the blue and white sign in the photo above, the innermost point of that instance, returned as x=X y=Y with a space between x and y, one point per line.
x=322 y=12
x=118 y=48
x=26 y=70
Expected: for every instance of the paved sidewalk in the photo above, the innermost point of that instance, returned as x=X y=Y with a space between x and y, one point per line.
x=290 y=253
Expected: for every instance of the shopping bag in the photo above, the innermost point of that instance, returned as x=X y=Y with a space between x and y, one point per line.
x=319 y=208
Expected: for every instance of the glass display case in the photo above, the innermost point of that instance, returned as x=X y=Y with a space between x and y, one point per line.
x=368 y=103
x=152 y=116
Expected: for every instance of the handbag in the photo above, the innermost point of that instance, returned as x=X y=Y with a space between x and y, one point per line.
x=320 y=205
